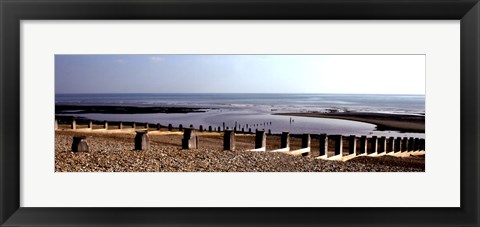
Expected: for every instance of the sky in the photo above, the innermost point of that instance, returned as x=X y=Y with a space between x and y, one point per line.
x=346 y=74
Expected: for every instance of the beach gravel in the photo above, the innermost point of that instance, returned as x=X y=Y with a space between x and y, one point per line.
x=115 y=153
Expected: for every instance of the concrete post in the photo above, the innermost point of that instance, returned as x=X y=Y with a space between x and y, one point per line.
x=105 y=125
x=120 y=125
x=323 y=145
x=210 y=128
x=260 y=139
x=146 y=126
x=306 y=140
x=229 y=140
x=90 y=124
x=338 y=145
x=200 y=128
x=391 y=145
x=374 y=145
x=410 y=144
x=180 y=127
x=134 y=125
x=382 y=146
x=363 y=145
x=404 y=144
x=74 y=124
x=190 y=139
x=352 y=145
x=142 y=142
x=285 y=140
x=56 y=124
x=79 y=144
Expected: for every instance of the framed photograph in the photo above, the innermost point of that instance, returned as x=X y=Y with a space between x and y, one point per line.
x=157 y=113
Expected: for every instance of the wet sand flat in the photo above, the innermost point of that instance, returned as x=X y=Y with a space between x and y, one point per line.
x=383 y=121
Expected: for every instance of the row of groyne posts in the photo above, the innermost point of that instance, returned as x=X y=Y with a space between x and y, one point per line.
x=371 y=146
x=121 y=125
x=378 y=145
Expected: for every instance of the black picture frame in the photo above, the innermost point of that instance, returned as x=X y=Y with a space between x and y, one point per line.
x=13 y=11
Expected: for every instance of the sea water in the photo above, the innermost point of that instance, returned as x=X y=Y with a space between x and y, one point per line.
x=257 y=109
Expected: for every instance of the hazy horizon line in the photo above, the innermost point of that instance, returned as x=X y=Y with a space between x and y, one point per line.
x=293 y=93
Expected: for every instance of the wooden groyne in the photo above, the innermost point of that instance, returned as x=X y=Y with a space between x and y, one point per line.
x=335 y=147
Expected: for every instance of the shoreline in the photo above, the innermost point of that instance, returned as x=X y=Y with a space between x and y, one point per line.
x=383 y=121
x=106 y=109
x=402 y=123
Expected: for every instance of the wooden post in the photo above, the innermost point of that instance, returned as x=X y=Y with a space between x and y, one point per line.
x=324 y=145
x=285 y=140
x=74 y=124
x=404 y=144
x=190 y=139
x=363 y=145
x=338 y=145
x=422 y=144
x=79 y=144
x=373 y=145
x=416 y=144
x=142 y=141
x=398 y=144
x=306 y=140
x=352 y=145
x=410 y=144
x=260 y=139
x=391 y=145
x=382 y=146
x=229 y=140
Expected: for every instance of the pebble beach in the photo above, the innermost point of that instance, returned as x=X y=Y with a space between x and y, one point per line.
x=113 y=151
